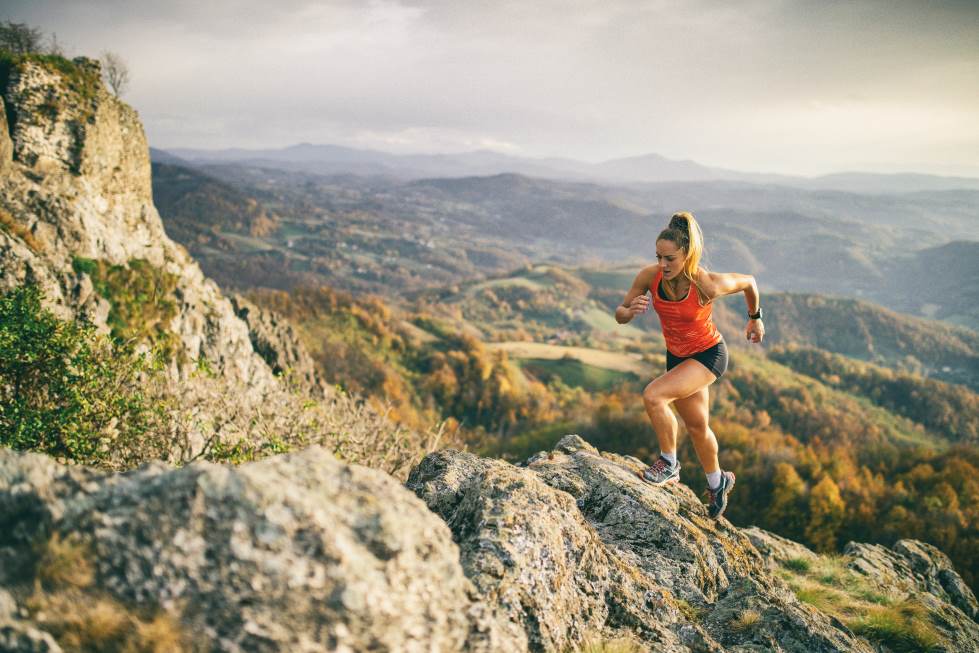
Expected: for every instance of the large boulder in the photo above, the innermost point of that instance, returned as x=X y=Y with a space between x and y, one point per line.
x=924 y=575
x=294 y=553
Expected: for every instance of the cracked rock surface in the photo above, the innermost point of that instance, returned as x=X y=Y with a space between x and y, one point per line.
x=574 y=542
x=300 y=552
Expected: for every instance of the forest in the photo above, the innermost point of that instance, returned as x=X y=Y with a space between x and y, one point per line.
x=826 y=448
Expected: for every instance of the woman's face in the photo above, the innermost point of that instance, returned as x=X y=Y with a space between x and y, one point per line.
x=670 y=258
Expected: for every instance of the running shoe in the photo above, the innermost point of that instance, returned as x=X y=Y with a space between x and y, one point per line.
x=662 y=471
x=717 y=498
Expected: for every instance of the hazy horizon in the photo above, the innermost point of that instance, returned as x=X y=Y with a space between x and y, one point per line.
x=541 y=158
x=796 y=87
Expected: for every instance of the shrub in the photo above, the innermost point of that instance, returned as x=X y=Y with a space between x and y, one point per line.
x=902 y=628
x=211 y=417
x=71 y=393
x=143 y=301
x=65 y=390
x=800 y=565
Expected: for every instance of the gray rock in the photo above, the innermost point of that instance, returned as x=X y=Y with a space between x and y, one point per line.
x=79 y=181
x=303 y=553
x=6 y=145
x=921 y=573
x=574 y=543
x=21 y=637
x=297 y=553
x=275 y=339
x=775 y=548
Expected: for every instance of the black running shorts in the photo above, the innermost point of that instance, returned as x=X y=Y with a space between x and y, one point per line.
x=714 y=359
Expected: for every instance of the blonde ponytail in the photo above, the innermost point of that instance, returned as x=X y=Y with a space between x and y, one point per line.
x=685 y=223
x=685 y=233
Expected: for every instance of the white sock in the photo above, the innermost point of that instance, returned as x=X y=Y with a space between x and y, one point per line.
x=671 y=456
x=714 y=479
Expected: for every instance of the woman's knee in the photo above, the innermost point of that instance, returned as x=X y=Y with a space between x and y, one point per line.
x=652 y=396
x=697 y=431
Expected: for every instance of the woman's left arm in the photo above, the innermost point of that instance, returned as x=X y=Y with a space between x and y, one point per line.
x=718 y=284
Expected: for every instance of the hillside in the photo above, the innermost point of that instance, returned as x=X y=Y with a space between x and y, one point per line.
x=352 y=232
x=333 y=159
x=553 y=361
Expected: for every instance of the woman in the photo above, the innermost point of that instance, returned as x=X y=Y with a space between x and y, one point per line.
x=696 y=355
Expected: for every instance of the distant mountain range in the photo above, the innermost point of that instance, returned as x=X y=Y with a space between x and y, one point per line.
x=252 y=225
x=335 y=159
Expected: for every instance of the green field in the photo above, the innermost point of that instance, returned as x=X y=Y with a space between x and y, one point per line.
x=609 y=360
x=618 y=279
x=574 y=373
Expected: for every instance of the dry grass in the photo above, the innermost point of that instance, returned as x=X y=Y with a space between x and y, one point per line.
x=89 y=622
x=690 y=611
x=598 y=644
x=903 y=628
x=210 y=417
x=62 y=600
x=64 y=562
x=8 y=224
x=884 y=618
x=745 y=620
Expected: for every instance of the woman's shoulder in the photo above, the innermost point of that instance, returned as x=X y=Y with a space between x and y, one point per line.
x=704 y=277
x=705 y=285
x=648 y=273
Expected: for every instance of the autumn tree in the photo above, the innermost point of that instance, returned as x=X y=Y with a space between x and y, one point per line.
x=826 y=511
x=788 y=509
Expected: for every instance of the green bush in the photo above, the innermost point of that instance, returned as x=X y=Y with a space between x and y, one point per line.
x=71 y=393
x=64 y=389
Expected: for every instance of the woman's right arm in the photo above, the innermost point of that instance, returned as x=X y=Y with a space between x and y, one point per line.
x=636 y=301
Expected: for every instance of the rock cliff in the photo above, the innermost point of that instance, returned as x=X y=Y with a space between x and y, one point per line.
x=303 y=553
x=75 y=186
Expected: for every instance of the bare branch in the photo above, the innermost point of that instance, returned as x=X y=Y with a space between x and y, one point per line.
x=116 y=72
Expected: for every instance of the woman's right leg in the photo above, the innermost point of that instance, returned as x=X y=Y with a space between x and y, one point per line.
x=683 y=380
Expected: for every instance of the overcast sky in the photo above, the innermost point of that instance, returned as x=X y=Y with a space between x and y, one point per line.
x=789 y=86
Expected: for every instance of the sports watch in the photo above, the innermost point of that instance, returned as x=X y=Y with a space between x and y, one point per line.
x=755 y=316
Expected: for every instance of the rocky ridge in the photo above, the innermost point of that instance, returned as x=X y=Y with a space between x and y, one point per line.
x=75 y=182
x=300 y=553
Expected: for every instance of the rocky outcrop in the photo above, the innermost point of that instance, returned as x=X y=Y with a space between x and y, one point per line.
x=275 y=339
x=75 y=177
x=303 y=553
x=918 y=564
x=575 y=543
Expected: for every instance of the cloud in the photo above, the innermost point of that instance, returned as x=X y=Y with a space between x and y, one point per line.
x=780 y=85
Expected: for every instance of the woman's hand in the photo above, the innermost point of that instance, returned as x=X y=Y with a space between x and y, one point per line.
x=755 y=331
x=638 y=305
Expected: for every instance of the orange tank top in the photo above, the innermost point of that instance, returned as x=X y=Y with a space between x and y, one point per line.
x=687 y=326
